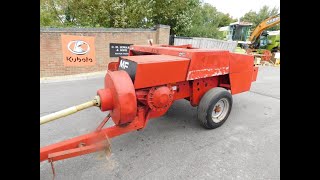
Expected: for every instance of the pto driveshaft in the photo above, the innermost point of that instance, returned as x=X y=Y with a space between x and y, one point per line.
x=69 y=111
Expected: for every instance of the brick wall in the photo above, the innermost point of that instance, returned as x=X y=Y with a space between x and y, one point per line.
x=51 y=62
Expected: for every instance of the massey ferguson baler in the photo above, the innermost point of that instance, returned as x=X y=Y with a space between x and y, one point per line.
x=144 y=85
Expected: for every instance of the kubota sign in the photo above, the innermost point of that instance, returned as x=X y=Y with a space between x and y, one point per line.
x=78 y=50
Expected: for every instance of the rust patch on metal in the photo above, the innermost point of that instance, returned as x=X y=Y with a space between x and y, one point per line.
x=217 y=109
x=209 y=72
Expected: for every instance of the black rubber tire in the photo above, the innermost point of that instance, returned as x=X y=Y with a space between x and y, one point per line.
x=206 y=106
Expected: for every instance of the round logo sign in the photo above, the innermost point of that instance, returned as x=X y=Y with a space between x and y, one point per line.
x=78 y=47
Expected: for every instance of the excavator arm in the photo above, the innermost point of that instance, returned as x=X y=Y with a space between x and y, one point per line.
x=270 y=22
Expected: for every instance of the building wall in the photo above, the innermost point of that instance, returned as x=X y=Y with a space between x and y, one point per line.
x=51 y=62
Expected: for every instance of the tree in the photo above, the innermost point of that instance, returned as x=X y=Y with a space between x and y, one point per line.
x=257 y=17
x=175 y=13
x=206 y=21
x=185 y=17
x=118 y=13
x=225 y=20
x=96 y=13
x=48 y=14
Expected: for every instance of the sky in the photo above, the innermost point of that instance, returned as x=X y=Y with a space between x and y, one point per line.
x=237 y=8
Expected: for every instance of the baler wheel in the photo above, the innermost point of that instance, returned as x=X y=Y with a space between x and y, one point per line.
x=214 y=107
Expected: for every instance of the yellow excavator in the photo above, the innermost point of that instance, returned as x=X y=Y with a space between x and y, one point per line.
x=255 y=35
x=258 y=40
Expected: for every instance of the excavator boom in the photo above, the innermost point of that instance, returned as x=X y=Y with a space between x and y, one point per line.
x=270 y=22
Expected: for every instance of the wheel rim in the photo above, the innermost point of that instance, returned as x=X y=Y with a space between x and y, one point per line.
x=220 y=110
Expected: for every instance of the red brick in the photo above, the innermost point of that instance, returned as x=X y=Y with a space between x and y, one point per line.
x=51 y=62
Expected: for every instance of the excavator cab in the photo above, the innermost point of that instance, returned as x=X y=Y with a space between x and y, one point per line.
x=263 y=40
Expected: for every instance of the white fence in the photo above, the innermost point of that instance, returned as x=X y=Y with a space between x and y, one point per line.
x=206 y=43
